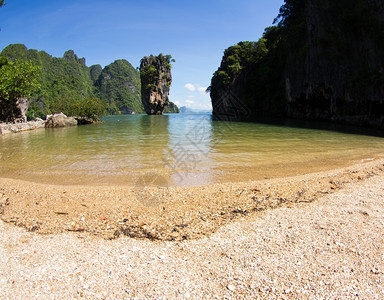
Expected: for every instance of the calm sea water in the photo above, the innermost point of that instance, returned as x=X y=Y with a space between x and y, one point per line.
x=181 y=149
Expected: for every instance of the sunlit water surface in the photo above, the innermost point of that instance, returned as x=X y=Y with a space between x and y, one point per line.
x=181 y=149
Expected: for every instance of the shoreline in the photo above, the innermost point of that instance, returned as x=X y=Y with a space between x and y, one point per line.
x=329 y=248
x=159 y=213
x=55 y=120
x=9 y=128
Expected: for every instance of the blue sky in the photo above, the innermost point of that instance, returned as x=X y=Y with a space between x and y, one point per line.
x=195 y=33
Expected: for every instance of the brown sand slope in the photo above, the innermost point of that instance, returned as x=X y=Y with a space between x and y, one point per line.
x=159 y=213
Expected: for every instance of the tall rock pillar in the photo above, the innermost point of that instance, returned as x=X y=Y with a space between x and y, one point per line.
x=156 y=79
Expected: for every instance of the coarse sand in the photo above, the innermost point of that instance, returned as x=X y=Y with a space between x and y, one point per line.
x=312 y=236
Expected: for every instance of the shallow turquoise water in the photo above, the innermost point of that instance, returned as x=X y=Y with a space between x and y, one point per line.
x=183 y=149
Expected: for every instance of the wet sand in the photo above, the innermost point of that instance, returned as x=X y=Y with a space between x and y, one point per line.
x=155 y=212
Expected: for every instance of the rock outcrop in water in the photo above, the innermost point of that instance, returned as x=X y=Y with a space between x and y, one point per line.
x=324 y=61
x=156 y=79
x=7 y=128
x=340 y=75
x=60 y=120
x=52 y=121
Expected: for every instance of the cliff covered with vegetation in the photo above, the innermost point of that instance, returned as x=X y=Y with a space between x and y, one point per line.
x=67 y=85
x=322 y=61
x=118 y=85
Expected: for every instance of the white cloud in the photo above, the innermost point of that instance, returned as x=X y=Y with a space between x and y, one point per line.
x=196 y=98
x=201 y=89
x=197 y=104
x=190 y=102
x=195 y=88
x=206 y=106
x=191 y=87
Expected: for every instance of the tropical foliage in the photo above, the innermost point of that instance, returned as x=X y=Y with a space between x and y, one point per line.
x=69 y=86
x=118 y=85
x=61 y=79
x=17 y=80
x=149 y=71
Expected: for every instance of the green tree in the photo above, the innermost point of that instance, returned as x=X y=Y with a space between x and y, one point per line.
x=17 y=80
x=59 y=78
x=92 y=108
x=72 y=105
x=290 y=12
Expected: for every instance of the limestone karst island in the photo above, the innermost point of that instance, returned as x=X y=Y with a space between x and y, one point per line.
x=156 y=79
x=205 y=150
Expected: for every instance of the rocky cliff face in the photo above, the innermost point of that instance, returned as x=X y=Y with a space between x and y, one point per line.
x=325 y=61
x=156 y=79
x=14 y=111
x=339 y=75
x=248 y=83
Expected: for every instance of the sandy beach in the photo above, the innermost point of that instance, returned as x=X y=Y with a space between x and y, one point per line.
x=315 y=235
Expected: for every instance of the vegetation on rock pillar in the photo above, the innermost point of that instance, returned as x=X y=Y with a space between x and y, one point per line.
x=156 y=79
